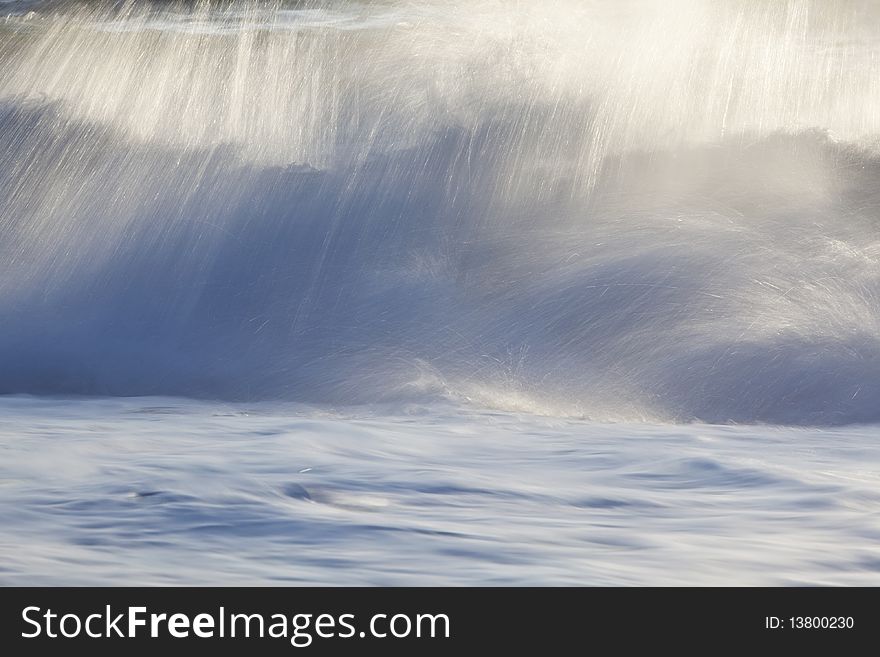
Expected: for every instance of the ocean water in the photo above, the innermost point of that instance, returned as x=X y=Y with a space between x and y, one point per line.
x=166 y=491
x=440 y=292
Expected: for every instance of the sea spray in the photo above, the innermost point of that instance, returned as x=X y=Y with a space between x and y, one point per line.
x=653 y=210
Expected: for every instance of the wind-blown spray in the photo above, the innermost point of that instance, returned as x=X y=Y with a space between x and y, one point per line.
x=641 y=209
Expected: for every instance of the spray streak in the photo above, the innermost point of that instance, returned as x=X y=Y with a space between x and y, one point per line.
x=647 y=209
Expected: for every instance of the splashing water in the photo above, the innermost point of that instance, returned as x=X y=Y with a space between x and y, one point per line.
x=619 y=210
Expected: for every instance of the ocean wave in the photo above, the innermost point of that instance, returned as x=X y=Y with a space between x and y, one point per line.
x=504 y=206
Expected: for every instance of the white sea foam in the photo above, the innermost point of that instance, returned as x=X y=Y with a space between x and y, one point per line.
x=169 y=491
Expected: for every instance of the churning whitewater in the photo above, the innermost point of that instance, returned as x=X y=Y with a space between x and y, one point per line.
x=440 y=281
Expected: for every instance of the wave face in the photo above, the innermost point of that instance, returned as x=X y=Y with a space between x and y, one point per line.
x=662 y=210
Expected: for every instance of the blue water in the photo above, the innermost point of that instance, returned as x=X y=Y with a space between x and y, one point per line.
x=440 y=292
x=166 y=491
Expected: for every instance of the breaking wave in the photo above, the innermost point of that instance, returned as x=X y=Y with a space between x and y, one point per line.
x=661 y=210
